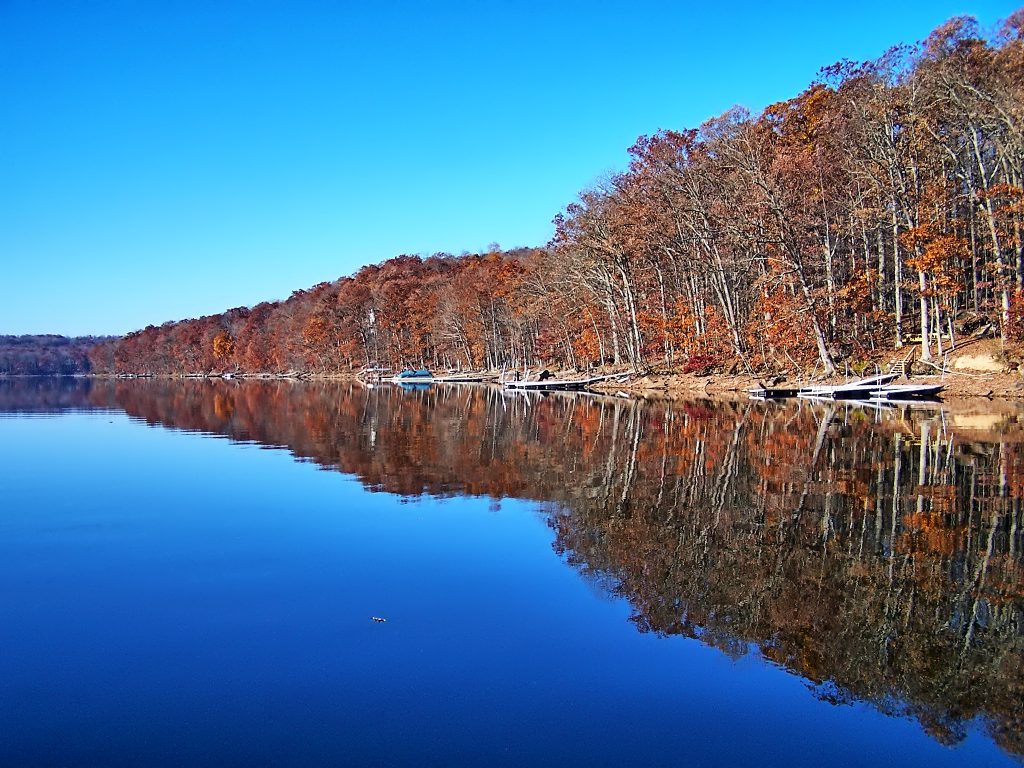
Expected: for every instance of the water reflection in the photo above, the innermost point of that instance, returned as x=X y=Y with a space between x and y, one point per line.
x=876 y=553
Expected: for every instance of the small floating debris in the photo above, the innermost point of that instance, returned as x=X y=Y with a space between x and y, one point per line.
x=378 y=619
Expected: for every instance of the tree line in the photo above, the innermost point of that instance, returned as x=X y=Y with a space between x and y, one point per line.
x=47 y=354
x=881 y=208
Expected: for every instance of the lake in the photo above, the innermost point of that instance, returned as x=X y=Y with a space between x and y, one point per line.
x=190 y=571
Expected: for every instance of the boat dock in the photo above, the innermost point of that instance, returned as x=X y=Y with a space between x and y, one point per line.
x=872 y=388
x=773 y=393
x=552 y=385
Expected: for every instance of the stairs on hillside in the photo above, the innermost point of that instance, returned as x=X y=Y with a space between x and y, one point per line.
x=901 y=366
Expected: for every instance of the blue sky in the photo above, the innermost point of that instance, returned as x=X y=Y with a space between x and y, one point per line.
x=170 y=159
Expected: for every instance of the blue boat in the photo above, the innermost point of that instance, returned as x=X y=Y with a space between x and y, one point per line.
x=420 y=376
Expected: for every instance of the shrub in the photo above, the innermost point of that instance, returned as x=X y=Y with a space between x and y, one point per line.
x=701 y=365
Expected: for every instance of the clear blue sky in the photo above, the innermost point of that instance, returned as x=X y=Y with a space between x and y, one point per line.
x=168 y=159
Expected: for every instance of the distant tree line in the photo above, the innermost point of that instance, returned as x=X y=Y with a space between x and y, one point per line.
x=47 y=355
x=881 y=208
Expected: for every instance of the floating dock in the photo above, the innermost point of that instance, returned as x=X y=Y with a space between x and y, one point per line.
x=872 y=388
x=553 y=385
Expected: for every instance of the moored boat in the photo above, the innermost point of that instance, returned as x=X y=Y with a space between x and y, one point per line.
x=907 y=391
x=861 y=388
x=418 y=376
x=871 y=388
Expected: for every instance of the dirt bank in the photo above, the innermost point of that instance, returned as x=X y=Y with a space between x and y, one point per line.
x=959 y=384
x=976 y=368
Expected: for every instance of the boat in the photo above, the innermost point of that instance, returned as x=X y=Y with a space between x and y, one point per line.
x=552 y=384
x=907 y=392
x=859 y=389
x=874 y=392
x=410 y=376
x=851 y=389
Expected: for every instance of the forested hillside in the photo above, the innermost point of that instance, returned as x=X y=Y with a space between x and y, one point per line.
x=881 y=207
x=47 y=355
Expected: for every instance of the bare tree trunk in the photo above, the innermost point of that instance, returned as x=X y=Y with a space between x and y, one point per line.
x=897 y=277
x=926 y=350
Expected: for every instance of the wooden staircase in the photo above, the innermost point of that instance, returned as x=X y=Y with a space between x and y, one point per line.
x=901 y=366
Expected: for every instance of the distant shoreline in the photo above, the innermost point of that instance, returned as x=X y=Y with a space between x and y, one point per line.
x=675 y=386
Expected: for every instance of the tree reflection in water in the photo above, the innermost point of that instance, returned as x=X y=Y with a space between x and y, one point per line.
x=875 y=553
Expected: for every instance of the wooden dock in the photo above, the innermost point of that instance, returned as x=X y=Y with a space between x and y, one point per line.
x=553 y=385
x=772 y=393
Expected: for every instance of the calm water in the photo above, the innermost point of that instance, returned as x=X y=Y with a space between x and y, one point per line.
x=188 y=572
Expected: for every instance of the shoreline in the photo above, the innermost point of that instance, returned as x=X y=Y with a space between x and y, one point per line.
x=959 y=385
x=674 y=386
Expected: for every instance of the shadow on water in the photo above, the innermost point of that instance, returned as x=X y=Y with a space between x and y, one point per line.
x=875 y=553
